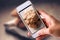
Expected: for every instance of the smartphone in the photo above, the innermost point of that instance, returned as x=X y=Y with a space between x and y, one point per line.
x=30 y=17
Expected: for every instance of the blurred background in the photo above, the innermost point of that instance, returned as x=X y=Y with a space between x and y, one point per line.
x=6 y=6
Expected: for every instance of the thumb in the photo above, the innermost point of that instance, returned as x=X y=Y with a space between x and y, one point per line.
x=28 y=34
x=43 y=31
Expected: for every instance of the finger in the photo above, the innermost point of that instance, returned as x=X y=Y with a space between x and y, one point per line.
x=14 y=13
x=41 y=37
x=43 y=31
x=43 y=13
x=28 y=34
x=48 y=19
x=46 y=15
x=38 y=38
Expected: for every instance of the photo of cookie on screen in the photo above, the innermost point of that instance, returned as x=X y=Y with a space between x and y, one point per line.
x=32 y=19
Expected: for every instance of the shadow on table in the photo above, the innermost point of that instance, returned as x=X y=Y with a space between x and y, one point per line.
x=14 y=33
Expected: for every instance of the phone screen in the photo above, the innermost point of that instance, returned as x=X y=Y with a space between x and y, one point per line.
x=31 y=19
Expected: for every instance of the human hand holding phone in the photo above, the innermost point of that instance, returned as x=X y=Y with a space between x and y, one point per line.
x=53 y=26
x=52 y=23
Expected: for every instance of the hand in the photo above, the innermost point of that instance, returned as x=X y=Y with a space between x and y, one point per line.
x=38 y=38
x=52 y=23
x=53 y=26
